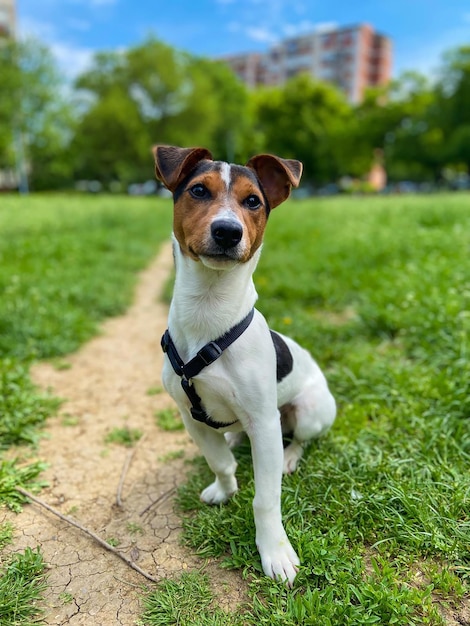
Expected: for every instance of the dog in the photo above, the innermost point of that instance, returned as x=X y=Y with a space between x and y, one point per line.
x=228 y=373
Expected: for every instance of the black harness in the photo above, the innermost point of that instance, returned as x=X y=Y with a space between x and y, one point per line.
x=206 y=355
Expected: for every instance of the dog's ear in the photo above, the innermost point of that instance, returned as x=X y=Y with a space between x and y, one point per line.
x=173 y=164
x=276 y=175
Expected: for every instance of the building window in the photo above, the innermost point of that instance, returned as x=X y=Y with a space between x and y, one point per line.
x=292 y=47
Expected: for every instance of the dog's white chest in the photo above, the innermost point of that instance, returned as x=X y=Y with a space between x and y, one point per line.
x=215 y=389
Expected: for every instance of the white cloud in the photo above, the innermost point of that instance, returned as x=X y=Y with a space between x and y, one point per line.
x=72 y=60
x=262 y=35
x=255 y=33
x=325 y=27
x=292 y=30
x=28 y=27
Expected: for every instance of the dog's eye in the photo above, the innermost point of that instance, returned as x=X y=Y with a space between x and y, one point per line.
x=199 y=191
x=253 y=202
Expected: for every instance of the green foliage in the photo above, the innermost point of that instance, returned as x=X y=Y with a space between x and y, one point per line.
x=35 y=118
x=6 y=534
x=21 y=407
x=123 y=436
x=169 y=419
x=378 y=510
x=134 y=529
x=155 y=390
x=302 y=120
x=13 y=475
x=152 y=93
x=111 y=143
x=68 y=262
x=419 y=128
x=21 y=586
x=187 y=602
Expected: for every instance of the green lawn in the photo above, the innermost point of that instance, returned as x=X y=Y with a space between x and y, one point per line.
x=379 y=290
x=67 y=262
x=379 y=511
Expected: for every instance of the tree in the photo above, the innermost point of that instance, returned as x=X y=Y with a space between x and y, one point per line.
x=35 y=118
x=304 y=119
x=399 y=120
x=414 y=146
x=111 y=142
x=216 y=111
x=453 y=98
x=154 y=94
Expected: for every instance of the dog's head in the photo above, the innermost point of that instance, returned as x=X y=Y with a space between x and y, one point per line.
x=221 y=209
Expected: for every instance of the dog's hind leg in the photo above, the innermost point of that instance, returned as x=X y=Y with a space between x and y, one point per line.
x=234 y=439
x=311 y=415
x=215 y=449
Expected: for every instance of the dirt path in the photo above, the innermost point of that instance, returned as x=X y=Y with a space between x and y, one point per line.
x=106 y=386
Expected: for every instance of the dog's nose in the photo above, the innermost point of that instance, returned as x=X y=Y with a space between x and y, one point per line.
x=226 y=233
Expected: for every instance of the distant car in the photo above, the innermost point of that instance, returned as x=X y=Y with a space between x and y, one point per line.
x=149 y=188
x=328 y=190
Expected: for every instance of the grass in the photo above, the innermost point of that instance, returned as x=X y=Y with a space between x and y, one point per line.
x=124 y=436
x=185 y=601
x=379 y=510
x=169 y=420
x=22 y=408
x=378 y=290
x=14 y=474
x=6 y=534
x=22 y=582
x=67 y=263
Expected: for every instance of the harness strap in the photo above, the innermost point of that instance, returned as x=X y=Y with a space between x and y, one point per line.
x=206 y=355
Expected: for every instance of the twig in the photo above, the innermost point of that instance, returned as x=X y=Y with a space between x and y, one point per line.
x=126 y=582
x=159 y=500
x=88 y=532
x=125 y=469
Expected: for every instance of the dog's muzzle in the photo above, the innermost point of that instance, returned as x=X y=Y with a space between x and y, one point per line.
x=226 y=234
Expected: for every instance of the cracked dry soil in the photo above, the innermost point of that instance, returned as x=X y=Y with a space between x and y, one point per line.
x=106 y=386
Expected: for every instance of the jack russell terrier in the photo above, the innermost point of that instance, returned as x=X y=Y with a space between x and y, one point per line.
x=225 y=369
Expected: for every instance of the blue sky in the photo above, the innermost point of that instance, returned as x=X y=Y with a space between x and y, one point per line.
x=421 y=30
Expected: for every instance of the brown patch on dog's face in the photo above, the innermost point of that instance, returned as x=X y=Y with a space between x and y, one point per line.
x=254 y=220
x=217 y=193
x=220 y=209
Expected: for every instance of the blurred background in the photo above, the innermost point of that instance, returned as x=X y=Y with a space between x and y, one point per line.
x=372 y=97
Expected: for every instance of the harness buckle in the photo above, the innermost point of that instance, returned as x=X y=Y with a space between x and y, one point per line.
x=210 y=353
x=206 y=355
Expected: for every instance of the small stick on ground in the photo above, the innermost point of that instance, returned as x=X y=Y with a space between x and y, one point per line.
x=88 y=532
x=159 y=500
x=125 y=469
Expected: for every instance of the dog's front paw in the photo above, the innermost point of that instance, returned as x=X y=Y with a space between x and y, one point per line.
x=280 y=563
x=218 y=493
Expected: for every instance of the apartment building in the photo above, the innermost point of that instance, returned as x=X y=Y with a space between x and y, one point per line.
x=7 y=19
x=352 y=58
